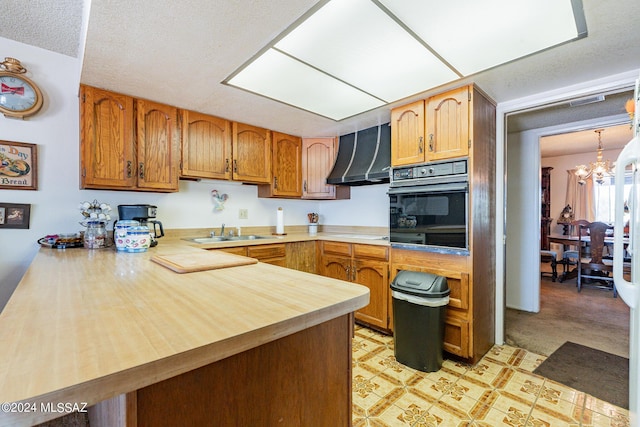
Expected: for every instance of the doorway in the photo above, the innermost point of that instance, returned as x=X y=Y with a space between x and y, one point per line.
x=518 y=283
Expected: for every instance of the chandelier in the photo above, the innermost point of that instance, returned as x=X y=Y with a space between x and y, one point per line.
x=599 y=169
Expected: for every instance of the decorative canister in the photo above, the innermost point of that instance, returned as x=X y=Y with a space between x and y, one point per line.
x=120 y=233
x=138 y=239
x=95 y=235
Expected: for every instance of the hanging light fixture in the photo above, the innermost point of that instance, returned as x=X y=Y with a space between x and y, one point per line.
x=599 y=169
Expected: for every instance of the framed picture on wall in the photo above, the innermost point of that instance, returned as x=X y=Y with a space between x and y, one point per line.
x=13 y=215
x=18 y=166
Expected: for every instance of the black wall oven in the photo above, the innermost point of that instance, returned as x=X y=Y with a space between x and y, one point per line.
x=429 y=207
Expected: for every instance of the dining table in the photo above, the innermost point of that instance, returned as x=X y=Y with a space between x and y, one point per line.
x=574 y=240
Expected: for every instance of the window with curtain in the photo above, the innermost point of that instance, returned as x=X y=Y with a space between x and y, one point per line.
x=604 y=198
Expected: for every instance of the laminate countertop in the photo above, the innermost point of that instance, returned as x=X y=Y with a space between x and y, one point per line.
x=87 y=325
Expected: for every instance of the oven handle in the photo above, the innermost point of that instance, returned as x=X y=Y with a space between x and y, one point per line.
x=431 y=188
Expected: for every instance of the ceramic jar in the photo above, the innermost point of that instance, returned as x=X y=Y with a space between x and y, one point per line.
x=120 y=233
x=313 y=229
x=138 y=239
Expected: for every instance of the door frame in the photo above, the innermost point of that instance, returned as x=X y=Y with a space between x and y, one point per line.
x=611 y=83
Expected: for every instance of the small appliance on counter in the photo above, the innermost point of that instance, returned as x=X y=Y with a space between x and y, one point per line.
x=144 y=214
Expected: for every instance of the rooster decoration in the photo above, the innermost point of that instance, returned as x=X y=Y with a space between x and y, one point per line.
x=218 y=200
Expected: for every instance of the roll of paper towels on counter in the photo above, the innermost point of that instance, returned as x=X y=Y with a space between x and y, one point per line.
x=280 y=221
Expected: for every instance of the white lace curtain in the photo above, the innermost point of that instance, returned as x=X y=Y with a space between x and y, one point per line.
x=580 y=197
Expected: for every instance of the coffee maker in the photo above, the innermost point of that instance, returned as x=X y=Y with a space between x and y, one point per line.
x=144 y=214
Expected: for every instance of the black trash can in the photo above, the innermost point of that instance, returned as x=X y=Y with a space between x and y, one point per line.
x=419 y=307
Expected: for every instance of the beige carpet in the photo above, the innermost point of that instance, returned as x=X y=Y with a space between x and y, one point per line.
x=592 y=318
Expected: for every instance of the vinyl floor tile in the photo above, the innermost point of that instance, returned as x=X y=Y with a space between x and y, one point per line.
x=499 y=390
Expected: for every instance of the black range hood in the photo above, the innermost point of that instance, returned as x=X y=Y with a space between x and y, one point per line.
x=364 y=157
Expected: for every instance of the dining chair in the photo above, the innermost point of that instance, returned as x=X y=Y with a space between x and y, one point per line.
x=570 y=256
x=552 y=257
x=591 y=264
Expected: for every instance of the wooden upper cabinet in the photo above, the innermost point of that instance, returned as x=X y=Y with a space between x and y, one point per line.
x=407 y=134
x=107 y=154
x=447 y=124
x=112 y=157
x=435 y=129
x=286 y=166
x=251 y=154
x=206 y=146
x=158 y=146
x=318 y=157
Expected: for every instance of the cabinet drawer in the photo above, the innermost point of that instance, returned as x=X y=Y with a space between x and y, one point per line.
x=267 y=251
x=456 y=336
x=371 y=251
x=457 y=281
x=238 y=250
x=338 y=248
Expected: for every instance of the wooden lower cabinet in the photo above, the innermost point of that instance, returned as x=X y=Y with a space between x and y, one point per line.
x=236 y=250
x=271 y=254
x=301 y=256
x=469 y=323
x=303 y=379
x=363 y=264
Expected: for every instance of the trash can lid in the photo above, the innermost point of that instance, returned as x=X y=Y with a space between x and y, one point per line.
x=420 y=284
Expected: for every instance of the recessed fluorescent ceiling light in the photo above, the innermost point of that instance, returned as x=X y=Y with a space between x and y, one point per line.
x=351 y=56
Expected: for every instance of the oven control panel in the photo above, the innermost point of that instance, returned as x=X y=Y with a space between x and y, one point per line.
x=439 y=169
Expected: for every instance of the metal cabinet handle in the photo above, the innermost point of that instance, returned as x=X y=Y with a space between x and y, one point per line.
x=141 y=170
x=420 y=144
x=304 y=186
x=226 y=165
x=129 y=171
x=275 y=182
x=235 y=165
x=430 y=142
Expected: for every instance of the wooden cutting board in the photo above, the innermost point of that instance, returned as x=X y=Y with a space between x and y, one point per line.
x=201 y=261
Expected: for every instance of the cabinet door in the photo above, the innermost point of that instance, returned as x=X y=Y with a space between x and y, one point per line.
x=287 y=166
x=206 y=146
x=158 y=146
x=106 y=145
x=407 y=134
x=374 y=275
x=251 y=154
x=318 y=156
x=301 y=256
x=337 y=267
x=448 y=124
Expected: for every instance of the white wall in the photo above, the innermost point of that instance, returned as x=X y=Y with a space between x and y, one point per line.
x=55 y=130
x=368 y=206
x=523 y=213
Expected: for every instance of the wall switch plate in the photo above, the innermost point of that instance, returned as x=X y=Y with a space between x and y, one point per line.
x=243 y=214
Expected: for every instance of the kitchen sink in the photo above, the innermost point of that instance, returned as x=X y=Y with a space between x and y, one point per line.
x=216 y=239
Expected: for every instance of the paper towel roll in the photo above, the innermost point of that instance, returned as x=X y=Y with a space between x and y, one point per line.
x=280 y=221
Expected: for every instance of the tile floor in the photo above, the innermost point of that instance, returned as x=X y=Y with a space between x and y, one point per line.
x=500 y=390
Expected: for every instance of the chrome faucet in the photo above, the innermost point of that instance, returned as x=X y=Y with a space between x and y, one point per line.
x=212 y=233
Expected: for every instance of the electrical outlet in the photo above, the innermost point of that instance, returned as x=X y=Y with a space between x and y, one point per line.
x=243 y=214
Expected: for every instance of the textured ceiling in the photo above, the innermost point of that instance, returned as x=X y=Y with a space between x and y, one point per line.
x=52 y=25
x=179 y=52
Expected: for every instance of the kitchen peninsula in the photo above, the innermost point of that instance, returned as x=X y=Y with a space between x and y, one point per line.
x=249 y=345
